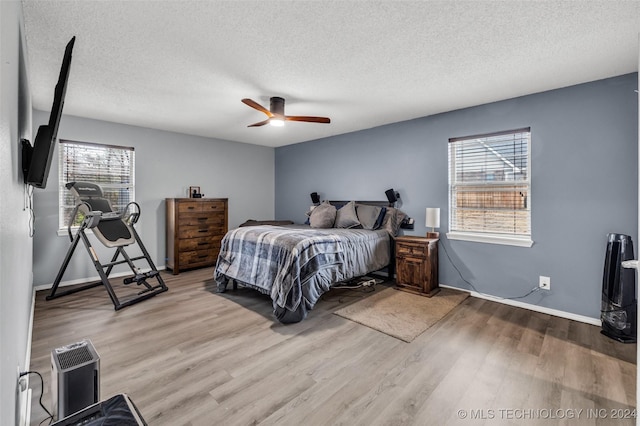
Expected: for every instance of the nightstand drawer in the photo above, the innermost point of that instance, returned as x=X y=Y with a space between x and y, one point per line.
x=411 y=250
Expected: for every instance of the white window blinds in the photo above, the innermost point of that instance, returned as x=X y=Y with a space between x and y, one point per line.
x=489 y=184
x=111 y=167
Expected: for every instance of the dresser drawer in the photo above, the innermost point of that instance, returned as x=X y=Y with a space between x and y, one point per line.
x=197 y=231
x=213 y=206
x=196 y=219
x=205 y=243
x=189 y=206
x=411 y=250
x=190 y=259
x=201 y=206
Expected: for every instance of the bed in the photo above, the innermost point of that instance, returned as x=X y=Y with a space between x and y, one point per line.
x=296 y=264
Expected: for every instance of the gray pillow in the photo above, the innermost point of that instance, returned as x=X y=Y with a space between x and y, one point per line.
x=392 y=221
x=346 y=216
x=368 y=215
x=323 y=216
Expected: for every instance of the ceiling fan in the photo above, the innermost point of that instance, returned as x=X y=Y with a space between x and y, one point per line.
x=276 y=113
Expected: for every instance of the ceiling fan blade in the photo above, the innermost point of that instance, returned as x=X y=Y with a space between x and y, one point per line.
x=307 y=118
x=255 y=105
x=261 y=123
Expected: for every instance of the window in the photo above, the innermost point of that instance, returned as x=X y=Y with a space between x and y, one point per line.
x=111 y=167
x=490 y=188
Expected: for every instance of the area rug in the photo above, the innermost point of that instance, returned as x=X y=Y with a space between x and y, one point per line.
x=402 y=315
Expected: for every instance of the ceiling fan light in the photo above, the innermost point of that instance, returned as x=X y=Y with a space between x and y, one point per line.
x=276 y=122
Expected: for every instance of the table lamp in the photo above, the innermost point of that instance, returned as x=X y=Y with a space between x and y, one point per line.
x=433 y=221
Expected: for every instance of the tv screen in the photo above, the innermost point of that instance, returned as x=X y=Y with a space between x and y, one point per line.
x=44 y=144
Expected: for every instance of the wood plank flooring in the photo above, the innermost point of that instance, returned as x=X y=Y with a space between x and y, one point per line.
x=191 y=356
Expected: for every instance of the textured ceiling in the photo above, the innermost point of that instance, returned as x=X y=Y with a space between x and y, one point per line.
x=184 y=66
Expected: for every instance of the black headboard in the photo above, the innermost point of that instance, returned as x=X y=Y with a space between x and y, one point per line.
x=339 y=204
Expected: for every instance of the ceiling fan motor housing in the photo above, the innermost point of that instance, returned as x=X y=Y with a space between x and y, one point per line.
x=277 y=105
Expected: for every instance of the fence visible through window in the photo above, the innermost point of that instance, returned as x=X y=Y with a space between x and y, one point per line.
x=489 y=184
x=111 y=167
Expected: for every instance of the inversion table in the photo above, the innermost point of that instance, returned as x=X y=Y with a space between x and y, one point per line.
x=114 y=230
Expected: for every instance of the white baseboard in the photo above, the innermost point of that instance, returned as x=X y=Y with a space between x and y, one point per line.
x=90 y=279
x=536 y=308
x=24 y=404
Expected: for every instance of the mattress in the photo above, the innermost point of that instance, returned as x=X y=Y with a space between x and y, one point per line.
x=296 y=264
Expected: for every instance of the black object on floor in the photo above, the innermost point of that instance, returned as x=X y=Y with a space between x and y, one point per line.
x=619 y=312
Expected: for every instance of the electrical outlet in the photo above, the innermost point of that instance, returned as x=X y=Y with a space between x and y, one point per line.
x=23 y=413
x=544 y=283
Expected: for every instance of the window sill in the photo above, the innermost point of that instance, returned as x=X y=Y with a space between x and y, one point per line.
x=491 y=239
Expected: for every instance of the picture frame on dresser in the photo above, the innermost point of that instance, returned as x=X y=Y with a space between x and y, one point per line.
x=194 y=192
x=194 y=229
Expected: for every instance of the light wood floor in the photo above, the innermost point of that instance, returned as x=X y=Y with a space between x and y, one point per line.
x=193 y=357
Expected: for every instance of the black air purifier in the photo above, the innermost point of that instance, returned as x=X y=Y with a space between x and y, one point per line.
x=619 y=305
x=75 y=378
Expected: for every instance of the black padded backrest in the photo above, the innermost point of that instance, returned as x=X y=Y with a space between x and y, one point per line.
x=84 y=190
x=111 y=232
x=99 y=204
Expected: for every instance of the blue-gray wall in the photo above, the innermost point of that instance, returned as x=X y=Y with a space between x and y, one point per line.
x=15 y=244
x=166 y=165
x=584 y=168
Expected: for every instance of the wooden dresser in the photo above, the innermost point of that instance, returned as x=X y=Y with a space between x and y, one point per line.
x=195 y=227
x=417 y=265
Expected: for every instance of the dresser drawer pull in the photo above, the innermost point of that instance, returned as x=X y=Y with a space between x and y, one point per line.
x=202 y=218
x=203 y=230
x=203 y=244
x=202 y=256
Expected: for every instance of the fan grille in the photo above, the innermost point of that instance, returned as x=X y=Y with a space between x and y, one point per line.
x=73 y=355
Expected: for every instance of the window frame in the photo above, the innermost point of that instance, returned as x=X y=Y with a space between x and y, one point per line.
x=62 y=177
x=512 y=239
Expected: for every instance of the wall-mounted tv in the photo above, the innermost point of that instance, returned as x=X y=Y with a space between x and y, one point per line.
x=36 y=160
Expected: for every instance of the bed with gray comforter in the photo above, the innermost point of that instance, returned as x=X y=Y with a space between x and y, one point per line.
x=296 y=264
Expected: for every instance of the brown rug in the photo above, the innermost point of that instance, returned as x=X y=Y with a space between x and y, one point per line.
x=402 y=315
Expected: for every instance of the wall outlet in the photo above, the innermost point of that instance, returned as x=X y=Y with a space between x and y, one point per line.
x=544 y=283
x=23 y=412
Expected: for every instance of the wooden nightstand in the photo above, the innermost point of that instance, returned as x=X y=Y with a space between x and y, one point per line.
x=417 y=265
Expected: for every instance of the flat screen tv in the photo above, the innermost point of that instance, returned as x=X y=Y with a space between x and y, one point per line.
x=37 y=159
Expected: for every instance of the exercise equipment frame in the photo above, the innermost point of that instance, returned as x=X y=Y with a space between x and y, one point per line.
x=91 y=220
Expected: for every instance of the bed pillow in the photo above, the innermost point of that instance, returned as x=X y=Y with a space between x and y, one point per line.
x=346 y=216
x=392 y=220
x=307 y=221
x=323 y=216
x=383 y=213
x=368 y=215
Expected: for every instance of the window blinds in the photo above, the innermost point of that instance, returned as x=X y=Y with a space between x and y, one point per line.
x=111 y=167
x=489 y=183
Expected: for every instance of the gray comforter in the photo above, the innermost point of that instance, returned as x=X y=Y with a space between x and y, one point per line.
x=296 y=265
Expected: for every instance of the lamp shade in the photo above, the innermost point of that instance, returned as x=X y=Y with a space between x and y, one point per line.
x=433 y=217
